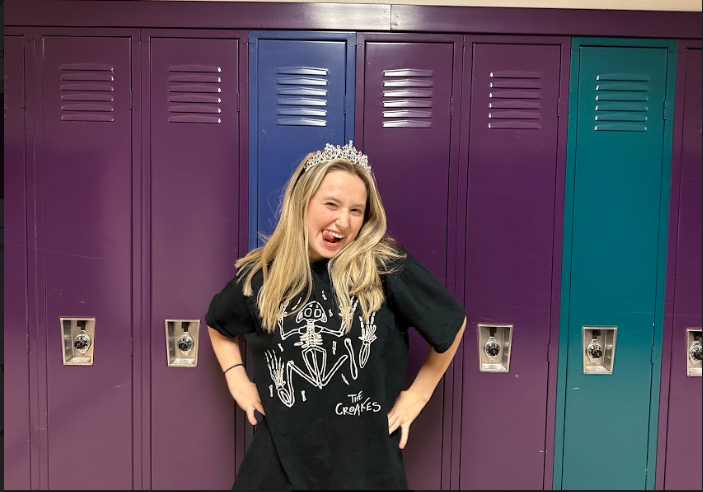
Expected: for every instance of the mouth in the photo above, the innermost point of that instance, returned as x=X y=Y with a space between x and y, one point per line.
x=331 y=238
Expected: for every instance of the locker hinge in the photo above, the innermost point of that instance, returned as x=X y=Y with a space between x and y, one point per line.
x=131 y=100
x=666 y=109
x=131 y=345
x=27 y=343
x=549 y=352
x=345 y=104
x=238 y=103
x=654 y=354
x=451 y=105
x=559 y=108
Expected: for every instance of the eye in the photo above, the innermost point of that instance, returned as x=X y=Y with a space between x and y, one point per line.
x=357 y=211
x=331 y=204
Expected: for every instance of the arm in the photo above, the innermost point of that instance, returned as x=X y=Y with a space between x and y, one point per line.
x=410 y=402
x=242 y=389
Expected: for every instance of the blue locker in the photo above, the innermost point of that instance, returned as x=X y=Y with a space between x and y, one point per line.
x=301 y=97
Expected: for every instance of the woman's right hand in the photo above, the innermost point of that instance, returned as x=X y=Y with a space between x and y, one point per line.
x=244 y=393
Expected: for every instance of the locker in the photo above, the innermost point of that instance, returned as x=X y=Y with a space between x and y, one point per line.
x=85 y=255
x=680 y=431
x=515 y=144
x=194 y=153
x=302 y=97
x=614 y=257
x=405 y=126
x=14 y=249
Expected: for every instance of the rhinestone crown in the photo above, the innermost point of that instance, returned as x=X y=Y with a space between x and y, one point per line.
x=331 y=152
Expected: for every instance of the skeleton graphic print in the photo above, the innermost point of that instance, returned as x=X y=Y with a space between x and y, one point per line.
x=317 y=338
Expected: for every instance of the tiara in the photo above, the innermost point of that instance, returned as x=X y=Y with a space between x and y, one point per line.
x=332 y=152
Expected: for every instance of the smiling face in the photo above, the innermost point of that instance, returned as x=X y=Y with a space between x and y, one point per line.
x=335 y=214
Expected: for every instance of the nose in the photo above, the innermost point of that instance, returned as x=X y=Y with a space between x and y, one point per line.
x=343 y=220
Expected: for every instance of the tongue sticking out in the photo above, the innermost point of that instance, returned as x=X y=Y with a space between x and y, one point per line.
x=327 y=236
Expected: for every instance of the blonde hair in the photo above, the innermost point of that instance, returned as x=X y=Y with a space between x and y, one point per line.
x=355 y=271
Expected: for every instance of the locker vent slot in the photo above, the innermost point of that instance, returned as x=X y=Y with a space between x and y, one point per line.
x=622 y=103
x=87 y=92
x=195 y=94
x=301 y=96
x=408 y=98
x=515 y=100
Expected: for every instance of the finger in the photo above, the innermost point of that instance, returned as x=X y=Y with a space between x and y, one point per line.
x=251 y=416
x=393 y=420
x=404 y=431
x=392 y=427
x=260 y=407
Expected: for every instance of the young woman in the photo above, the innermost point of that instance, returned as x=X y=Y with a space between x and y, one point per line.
x=325 y=307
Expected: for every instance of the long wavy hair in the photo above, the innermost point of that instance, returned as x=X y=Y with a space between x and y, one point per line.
x=355 y=271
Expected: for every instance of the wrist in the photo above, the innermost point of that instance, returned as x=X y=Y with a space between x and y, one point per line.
x=421 y=394
x=234 y=366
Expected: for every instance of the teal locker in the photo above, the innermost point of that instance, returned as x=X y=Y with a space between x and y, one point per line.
x=616 y=214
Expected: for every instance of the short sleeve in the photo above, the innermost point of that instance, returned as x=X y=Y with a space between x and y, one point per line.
x=229 y=312
x=421 y=301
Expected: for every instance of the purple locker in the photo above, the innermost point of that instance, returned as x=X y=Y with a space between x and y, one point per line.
x=405 y=125
x=194 y=156
x=679 y=457
x=16 y=389
x=85 y=256
x=513 y=146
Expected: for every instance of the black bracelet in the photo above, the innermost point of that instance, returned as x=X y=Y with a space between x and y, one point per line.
x=232 y=367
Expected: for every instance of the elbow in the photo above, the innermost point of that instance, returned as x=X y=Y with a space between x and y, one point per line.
x=460 y=333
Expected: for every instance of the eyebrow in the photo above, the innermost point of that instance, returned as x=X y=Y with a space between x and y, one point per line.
x=357 y=205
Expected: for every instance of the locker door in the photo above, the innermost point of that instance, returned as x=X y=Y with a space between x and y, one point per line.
x=683 y=439
x=513 y=160
x=194 y=157
x=408 y=84
x=14 y=251
x=299 y=103
x=616 y=243
x=85 y=248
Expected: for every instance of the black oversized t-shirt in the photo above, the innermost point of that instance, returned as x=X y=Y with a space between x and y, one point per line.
x=326 y=392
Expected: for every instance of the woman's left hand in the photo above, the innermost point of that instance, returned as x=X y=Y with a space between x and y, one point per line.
x=406 y=409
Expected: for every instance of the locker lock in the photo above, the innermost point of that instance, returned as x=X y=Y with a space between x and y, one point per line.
x=694 y=352
x=182 y=342
x=82 y=342
x=594 y=350
x=599 y=349
x=492 y=348
x=78 y=336
x=185 y=343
